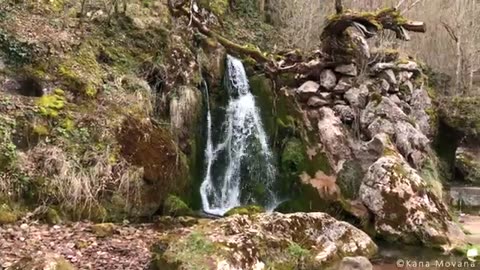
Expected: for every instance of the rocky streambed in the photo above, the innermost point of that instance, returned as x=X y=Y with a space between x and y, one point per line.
x=260 y=241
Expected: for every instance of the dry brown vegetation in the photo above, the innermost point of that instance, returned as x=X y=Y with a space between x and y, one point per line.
x=451 y=45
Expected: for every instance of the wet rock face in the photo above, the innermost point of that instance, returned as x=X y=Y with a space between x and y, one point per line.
x=404 y=208
x=263 y=241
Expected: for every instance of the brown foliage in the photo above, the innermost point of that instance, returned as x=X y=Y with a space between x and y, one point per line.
x=153 y=148
x=326 y=185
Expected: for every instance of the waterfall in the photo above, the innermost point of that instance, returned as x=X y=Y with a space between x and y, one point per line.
x=239 y=163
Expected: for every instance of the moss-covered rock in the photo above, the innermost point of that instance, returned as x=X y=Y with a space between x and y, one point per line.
x=103 y=229
x=174 y=206
x=404 y=207
x=262 y=241
x=245 y=210
x=467 y=164
x=462 y=114
x=52 y=216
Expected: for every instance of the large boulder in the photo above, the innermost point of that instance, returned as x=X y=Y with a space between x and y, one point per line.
x=404 y=207
x=47 y=261
x=262 y=241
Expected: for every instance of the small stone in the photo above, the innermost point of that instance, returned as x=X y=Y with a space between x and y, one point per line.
x=384 y=86
x=389 y=75
x=404 y=76
x=343 y=85
x=357 y=97
x=344 y=112
x=308 y=89
x=379 y=67
x=407 y=86
x=317 y=102
x=349 y=70
x=24 y=227
x=325 y=95
x=409 y=66
x=355 y=263
x=328 y=80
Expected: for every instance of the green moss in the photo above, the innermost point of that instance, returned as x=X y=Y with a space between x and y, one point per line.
x=15 y=51
x=293 y=157
x=56 y=5
x=52 y=217
x=51 y=105
x=7 y=215
x=41 y=130
x=462 y=114
x=376 y=97
x=217 y=7
x=245 y=210
x=192 y=253
x=103 y=229
x=174 y=206
x=349 y=179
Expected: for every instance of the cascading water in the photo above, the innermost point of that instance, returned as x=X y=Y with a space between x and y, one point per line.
x=239 y=167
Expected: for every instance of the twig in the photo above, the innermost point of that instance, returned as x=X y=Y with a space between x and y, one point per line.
x=399 y=4
x=411 y=6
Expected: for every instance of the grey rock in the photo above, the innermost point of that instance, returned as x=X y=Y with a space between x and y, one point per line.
x=404 y=76
x=244 y=236
x=334 y=138
x=421 y=103
x=343 y=85
x=465 y=196
x=345 y=113
x=339 y=102
x=349 y=70
x=355 y=263
x=315 y=102
x=409 y=66
x=419 y=215
x=384 y=86
x=387 y=117
x=328 y=80
x=308 y=89
x=389 y=75
x=357 y=97
x=379 y=67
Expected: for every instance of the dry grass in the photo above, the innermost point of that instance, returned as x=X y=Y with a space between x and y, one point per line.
x=73 y=184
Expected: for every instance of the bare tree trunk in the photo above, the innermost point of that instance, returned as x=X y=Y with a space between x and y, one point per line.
x=458 y=72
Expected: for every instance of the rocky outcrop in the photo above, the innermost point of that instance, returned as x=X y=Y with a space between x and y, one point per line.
x=262 y=241
x=376 y=135
x=404 y=209
x=467 y=164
